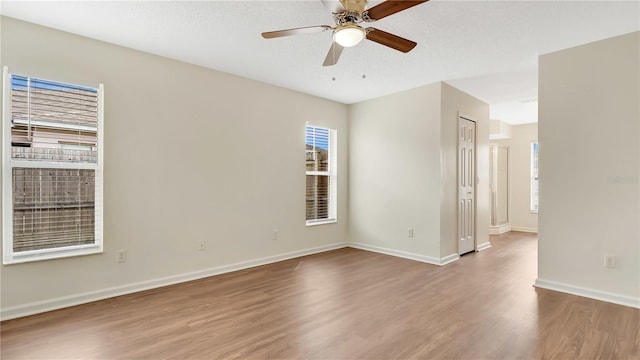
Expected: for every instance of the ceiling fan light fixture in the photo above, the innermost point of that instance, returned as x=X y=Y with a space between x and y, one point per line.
x=349 y=36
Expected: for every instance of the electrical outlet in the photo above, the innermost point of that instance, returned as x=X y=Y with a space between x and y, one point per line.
x=410 y=232
x=275 y=234
x=610 y=261
x=121 y=256
x=202 y=246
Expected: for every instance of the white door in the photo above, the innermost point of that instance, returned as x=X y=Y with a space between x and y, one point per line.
x=466 y=185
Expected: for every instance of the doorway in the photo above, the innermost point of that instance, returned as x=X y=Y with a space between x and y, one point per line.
x=499 y=189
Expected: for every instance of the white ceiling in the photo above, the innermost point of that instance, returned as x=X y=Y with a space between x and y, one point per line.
x=486 y=48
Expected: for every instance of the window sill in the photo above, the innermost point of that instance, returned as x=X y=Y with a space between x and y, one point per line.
x=49 y=254
x=321 y=222
x=533 y=211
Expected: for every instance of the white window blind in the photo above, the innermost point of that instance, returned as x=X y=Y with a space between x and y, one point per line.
x=321 y=189
x=53 y=121
x=534 y=177
x=52 y=186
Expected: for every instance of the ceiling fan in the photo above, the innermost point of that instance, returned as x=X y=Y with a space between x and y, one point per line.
x=348 y=14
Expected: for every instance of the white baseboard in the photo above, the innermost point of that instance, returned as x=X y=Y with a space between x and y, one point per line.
x=484 y=246
x=449 y=259
x=405 y=254
x=500 y=229
x=12 y=312
x=524 y=229
x=588 y=293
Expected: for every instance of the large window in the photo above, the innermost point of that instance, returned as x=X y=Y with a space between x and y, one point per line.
x=534 y=178
x=52 y=169
x=321 y=175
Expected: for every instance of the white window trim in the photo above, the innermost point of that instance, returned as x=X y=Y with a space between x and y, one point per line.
x=333 y=179
x=9 y=257
x=531 y=209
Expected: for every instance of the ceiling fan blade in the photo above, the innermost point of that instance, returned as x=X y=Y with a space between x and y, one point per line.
x=390 y=40
x=296 y=31
x=333 y=55
x=335 y=6
x=389 y=7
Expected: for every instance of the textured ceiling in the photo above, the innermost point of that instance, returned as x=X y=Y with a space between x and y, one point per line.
x=486 y=48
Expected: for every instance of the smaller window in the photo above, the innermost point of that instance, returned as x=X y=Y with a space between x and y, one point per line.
x=534 y=177
x=321 y=167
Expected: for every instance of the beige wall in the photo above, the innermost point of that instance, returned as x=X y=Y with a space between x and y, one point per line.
x=394 y=162
x=190 y=154
x=589 y=132
x=521 y=218
x=499 y=129
x=402 y=170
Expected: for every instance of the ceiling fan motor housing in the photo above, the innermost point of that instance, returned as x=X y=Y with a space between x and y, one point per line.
x=348 y=17
x=354 y=5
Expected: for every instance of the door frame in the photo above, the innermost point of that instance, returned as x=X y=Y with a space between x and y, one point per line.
x=493 y=178
x=475 y=182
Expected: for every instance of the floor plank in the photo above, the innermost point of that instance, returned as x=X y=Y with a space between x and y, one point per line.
x=343 y=304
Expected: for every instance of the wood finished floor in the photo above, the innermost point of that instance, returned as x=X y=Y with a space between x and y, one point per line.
x=343 y=304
